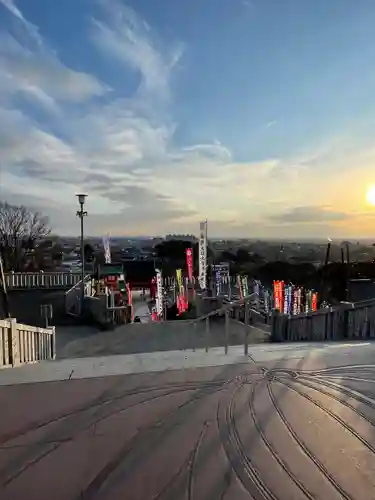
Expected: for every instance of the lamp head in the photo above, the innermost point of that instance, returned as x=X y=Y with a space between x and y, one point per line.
x=81 y=198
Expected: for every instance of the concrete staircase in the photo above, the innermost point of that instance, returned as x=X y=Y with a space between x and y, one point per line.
x=138 y=338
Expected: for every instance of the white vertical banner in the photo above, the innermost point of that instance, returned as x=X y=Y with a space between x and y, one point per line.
x=107 y=249
x=203 y=255
x=159 y=293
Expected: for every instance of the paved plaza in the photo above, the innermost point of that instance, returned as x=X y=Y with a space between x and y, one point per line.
x=286 y=422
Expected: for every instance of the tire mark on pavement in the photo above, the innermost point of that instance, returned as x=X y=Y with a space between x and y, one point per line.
x=142 y=443
x=6 y=476
x=333 y=415
x=190 y=485
x=361 y=398
x=305 y=382
x=240 y=463
x=99 y=401
x=322 y=468
x=273 y=452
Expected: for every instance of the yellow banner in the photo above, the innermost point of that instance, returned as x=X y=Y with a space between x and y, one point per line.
x=179 y=277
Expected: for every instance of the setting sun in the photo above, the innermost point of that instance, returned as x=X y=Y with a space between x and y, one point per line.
x=370 y=197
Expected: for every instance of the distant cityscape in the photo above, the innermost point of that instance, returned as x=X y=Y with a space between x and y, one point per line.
x=126 y=248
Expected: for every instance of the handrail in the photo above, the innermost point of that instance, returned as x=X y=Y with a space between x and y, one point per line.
x=225 y=308
x=73 y=297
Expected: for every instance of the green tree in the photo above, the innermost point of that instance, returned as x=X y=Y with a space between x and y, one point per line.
x=172 y=253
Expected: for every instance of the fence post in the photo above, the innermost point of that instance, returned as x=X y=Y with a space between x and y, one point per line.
x=10 y=283
x=276 y=326
x=195 y=335
x=52 y=343
x=6 y=337
x=247 y=318
x=207 y=332
x=14 y=343
x=227 y=319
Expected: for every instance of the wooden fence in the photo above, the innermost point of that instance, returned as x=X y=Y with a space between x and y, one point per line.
x=20 y=344
x=349 y=321
x=41 y=280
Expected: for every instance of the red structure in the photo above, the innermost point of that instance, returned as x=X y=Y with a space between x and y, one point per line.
x=139 y=274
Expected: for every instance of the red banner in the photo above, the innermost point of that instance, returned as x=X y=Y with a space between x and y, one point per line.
x=314 y=301
x=278 y=294
x=189 y=263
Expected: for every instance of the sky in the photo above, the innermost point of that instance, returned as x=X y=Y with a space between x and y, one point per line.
x=258 y=115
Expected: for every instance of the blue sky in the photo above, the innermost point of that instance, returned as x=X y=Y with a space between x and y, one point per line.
x=257 y=114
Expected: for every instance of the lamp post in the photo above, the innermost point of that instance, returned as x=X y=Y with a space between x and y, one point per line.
x=81 y=213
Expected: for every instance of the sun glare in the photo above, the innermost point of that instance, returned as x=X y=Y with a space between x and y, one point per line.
x=370 y=197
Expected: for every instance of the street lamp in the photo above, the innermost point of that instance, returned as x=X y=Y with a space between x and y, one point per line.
x=81 y=214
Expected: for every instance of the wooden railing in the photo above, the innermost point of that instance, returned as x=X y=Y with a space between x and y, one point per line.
x=41 y=280
x=20 y=344
x=351 y=321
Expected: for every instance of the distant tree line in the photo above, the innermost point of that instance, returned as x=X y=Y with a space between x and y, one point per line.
x=25 y=240
x=331 y=279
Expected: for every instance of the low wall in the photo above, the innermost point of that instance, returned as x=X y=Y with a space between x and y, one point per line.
x=25 y=306
x=346 y=322
x=21 y=343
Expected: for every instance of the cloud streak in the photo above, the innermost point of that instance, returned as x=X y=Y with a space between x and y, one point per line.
x=119 y=144
x=121 y=34
x=310 y=214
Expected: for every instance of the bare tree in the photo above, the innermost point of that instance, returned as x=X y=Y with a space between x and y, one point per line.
x=20 y=231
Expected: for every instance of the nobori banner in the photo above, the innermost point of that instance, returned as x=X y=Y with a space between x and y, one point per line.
x=159 y=293
x=221 y=272
x=189 y=263
x=203 y=255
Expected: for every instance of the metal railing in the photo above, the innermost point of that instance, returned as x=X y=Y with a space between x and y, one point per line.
x=41 y=280
x=20 y=344
x=235 y=332
x=73 y=297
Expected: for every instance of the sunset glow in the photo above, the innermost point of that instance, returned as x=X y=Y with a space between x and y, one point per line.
x=370 y=197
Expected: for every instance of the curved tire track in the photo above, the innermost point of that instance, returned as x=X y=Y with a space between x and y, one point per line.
x=273 y=452
x=238 y=460
x=305 y=382
x=141 y=440
x=333 y=415
x=322 y=468
x=100 y=402
x=7 y=478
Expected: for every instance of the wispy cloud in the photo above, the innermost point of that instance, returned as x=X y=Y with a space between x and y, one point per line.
x=42 y=76
x=120 y=145
x=310 y=214
x=32 y=30
x=271 y=123
x=121 y=34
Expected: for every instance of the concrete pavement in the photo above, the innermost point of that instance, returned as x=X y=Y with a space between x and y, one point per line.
x=287 y=422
